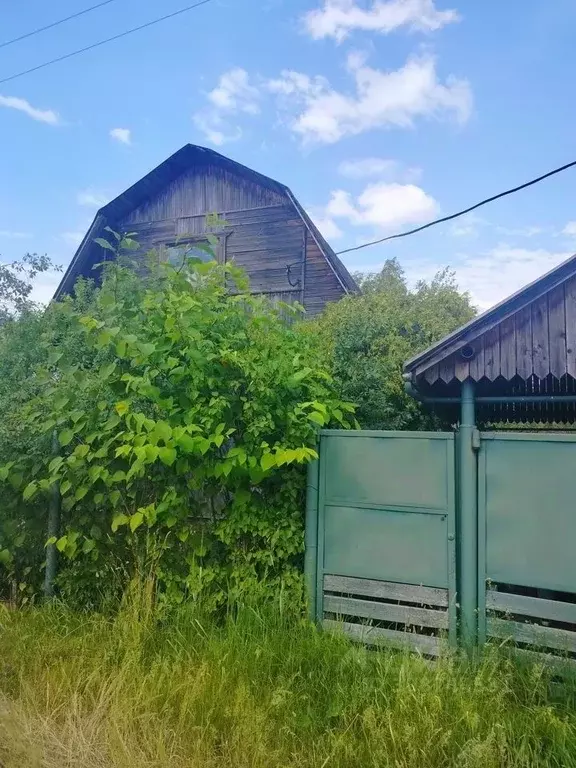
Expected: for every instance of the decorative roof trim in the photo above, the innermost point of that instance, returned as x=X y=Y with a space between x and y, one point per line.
x=491 y=318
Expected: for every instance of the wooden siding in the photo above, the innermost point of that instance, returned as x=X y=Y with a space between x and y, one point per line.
x=206 y=189
x=537 y=340
x=321 y=284
x=264 y=234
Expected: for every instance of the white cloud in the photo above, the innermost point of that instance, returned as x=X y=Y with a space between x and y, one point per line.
x=337 y=18
x=380 y=99
x=463 y=230
x=378 y=167
x=123 y=135
x=44 y=286
x=234 y=94
x=467 y=226
x=10 y=234
x=570 y=229
x=72 y=238
x=368 y=166
x=48 y=116
x=327 y=226
x=384 y=205
x=91 y=198
x=520 y=231
x=494 y=275
x=216 y=129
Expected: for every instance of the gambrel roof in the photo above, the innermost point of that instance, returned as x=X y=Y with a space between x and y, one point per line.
x=188 y=157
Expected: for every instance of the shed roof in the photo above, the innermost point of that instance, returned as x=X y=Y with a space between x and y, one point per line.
x=534 y=322
x=521 y=354
x=189 y=156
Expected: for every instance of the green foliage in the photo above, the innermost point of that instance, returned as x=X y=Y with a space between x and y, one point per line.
x=184 y=413
x=260 y=690
x=16 y=279
x=367 y=339
x=28 y=345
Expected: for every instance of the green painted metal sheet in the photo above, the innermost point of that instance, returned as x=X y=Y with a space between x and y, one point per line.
x=528 y=524
x=383 y=544
x=387 y=469
x=386 y=511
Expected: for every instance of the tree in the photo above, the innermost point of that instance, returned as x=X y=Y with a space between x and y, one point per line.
x=367 y=338
x=16 y=283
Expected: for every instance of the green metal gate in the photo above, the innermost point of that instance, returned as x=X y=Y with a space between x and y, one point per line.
x=385 y=564
x=526 y=538
x=396 y=552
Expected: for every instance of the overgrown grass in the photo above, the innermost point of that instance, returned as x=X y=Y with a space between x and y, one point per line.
x=257 y=691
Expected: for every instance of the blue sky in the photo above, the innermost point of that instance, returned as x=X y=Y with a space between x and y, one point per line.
x=378 y=115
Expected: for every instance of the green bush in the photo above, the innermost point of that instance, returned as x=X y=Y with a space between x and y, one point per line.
x=185 y=413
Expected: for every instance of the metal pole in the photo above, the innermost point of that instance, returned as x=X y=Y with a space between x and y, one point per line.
x=53 y=530
x=311 y=537
x=468 y=521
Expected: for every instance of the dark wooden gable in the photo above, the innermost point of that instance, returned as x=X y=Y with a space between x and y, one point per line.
x=531 y=335
x=267 y=232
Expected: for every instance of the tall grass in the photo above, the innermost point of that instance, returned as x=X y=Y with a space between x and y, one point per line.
x=260 y=690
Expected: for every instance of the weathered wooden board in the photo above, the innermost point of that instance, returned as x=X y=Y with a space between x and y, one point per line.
x=425 y=644
x=387 y=590
x=491 y=343
x=532 y=634
x=522 y=605
x=557 y=331
x=322 y=285
x=446 y=370
x=523 y=332
x=570 y=314
x=478 y=362
x=507 y=366
x=564 y=666
x=202 y=190
x=399 y=614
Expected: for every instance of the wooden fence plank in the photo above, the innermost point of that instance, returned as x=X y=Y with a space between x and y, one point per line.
x=431 y=646
x=388 y=590
x=401 y=614
x=559 y=664
x=521 y=605
x=532 y=634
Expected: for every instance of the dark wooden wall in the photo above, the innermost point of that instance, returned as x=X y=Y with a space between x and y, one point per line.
x=266 y=233
x=537 y=340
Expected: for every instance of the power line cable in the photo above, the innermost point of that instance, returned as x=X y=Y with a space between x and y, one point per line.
x=103 y=42
x=460 y=213
x=54 y=24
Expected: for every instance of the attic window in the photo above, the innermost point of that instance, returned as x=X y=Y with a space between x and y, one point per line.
x=198 y=249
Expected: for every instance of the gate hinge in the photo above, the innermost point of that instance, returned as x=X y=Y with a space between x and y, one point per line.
x=475 y=439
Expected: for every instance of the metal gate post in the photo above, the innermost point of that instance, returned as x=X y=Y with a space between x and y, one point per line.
x=311 y=537
x=468 y=521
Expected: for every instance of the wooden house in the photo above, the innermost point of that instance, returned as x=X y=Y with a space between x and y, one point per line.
x=520 y=356
x=267 y=232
